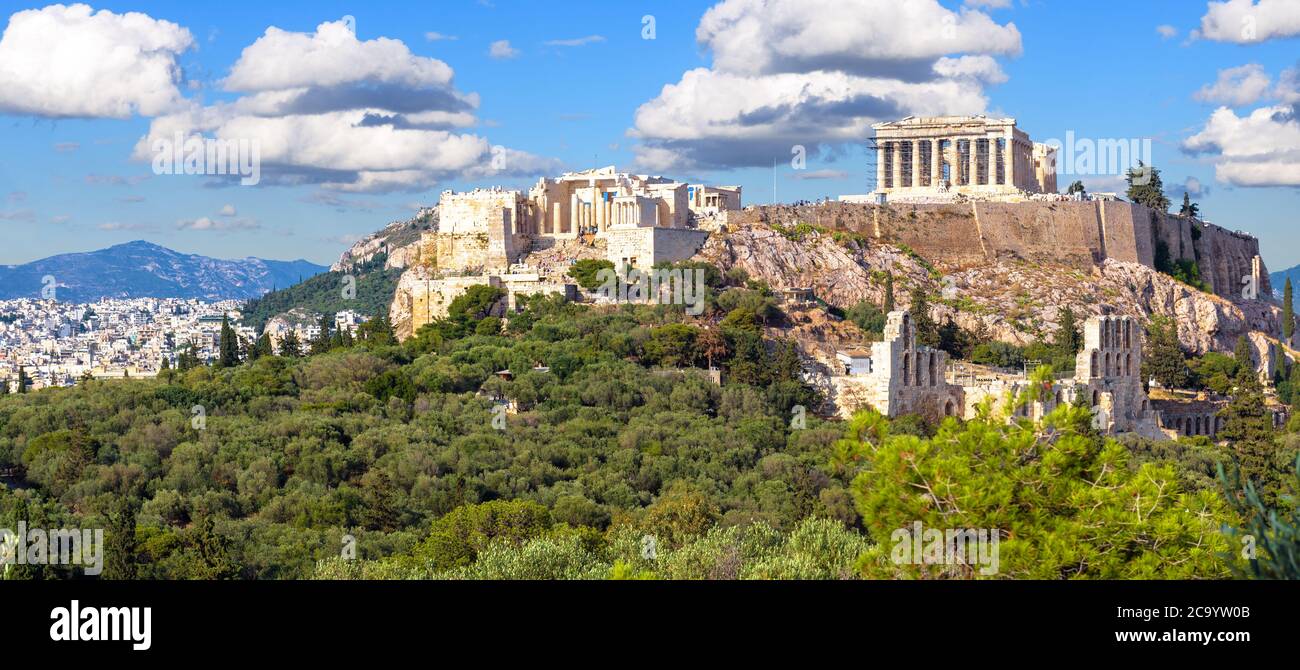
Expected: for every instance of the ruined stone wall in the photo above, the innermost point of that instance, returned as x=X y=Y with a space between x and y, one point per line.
x=652 y=245
x=1077 y=234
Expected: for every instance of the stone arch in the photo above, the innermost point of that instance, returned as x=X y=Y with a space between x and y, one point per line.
x=1096 y=364
x=907 y=369
x=949 y=408
x=1096 y=398
x=934 y=369
x=1108 y=368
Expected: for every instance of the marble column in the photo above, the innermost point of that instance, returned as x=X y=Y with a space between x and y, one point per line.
x=936 y=161
x=897 y=152
x=916 y=163
x=971 y=157
x=880 y=166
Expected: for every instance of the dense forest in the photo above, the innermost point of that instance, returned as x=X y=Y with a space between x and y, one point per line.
x=605 y=451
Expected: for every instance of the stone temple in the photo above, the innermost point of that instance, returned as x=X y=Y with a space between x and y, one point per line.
x=503 y=237
x=939 y=157
x=903 y=377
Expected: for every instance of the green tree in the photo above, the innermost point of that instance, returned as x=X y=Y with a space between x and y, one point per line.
x=1272 y=532
x=475 y=303
x=1075 y=187
x=321 y=343
x=927 y=331
x=587 y=272
x=1164 y=359
x=1244 y=354
x=1065 y=503
x=1189 y=208
x=228 y=345
x=888 y=305
x=290 y=347
x=458 y=537
x=23 y=381
x=1069 y=338
x=121 y=543
x=1146 y=188
x=868 y=317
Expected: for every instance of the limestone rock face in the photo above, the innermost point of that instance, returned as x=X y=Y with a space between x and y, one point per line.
x=1005 y=299
x=399 y=238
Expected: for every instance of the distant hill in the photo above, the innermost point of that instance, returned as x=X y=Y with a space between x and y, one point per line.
x=145 y=270
x=1278 y=280
x=323 y=293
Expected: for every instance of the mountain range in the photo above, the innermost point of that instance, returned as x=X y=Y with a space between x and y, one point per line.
x=142 y=269
x=1278 y=280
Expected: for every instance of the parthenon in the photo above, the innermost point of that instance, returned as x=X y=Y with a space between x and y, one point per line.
x=936 y=157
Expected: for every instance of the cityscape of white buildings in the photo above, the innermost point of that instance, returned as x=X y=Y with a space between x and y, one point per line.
x=59 y=343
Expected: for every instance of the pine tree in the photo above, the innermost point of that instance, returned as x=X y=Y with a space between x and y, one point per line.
x=290 y=347
x=122 y=545
x=1245 y=357
x=229 y=345
x=927 y=331
x=1069 y=340
x=1288 y=313
x=321 y=343
x=889 y=294
x=1163 y=358
x=1146 y=188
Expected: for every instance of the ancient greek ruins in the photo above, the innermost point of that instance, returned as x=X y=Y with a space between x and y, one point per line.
x=929 y=157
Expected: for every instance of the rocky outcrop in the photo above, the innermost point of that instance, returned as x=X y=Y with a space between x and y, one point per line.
x=1006 y=299
x=398 y=239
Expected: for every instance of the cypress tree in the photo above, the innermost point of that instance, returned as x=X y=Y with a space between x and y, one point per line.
x=229 y=345
x=889 y=293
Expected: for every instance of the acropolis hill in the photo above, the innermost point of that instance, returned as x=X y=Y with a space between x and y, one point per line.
x=964 y=209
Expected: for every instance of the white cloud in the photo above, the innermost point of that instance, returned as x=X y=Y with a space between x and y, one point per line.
x=204 y=223
x=1167 y=31
x=1261 y=149
x=361 y=116
x=501 y=49
x=433 y=36
x=1288 y=86
x=576 y=42
x=71 y=61
x=227 y=210
x=1248 y=21
x=1237 y=86
x=991 y=4
x=332 y=56
x=817 y=73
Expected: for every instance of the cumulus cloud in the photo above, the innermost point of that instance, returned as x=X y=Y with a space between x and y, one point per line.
x=1237 y=86
x=360 y=116
x=1167 y=31
x=1260 y=149
x=501 y=49
x=1250 y=21
x=71 y=61
x=817 y=73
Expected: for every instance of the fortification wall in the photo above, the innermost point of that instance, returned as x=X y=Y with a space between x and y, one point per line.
x=1077 y=234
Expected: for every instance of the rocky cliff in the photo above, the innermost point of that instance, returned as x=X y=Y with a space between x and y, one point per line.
x=1006 y=298
x=1080 y=235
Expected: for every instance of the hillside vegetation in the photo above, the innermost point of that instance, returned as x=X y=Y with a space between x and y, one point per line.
x=618 y=457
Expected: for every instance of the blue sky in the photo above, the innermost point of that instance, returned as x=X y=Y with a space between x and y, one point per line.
x=565 y=94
